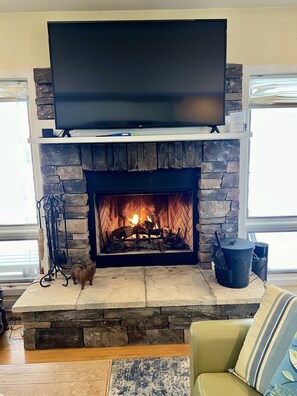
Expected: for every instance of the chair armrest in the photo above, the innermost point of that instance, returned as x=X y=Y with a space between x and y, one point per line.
x=215 y=345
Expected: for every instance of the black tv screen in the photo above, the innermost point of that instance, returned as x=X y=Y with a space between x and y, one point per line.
x=138 y=74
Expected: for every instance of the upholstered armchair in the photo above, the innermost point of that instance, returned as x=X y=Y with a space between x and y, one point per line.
x=228 y=356
x=214 y=348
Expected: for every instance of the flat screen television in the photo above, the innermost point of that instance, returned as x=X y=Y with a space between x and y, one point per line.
x=138 y=74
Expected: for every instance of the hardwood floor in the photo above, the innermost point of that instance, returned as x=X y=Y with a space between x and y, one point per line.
x=12 y=351
x=47 y=379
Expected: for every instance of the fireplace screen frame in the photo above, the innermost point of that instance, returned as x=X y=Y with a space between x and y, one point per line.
x=161 y=181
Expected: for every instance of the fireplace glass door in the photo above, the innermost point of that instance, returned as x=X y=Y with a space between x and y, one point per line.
x=144 y=223
x=143 y=218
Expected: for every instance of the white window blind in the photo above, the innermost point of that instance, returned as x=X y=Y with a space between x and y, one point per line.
x=18 y=260
x=13 y=90
x=273 y=91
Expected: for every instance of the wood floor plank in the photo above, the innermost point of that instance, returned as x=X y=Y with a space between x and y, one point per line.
x=70 y=389
x=40 y=373
x=63 y=378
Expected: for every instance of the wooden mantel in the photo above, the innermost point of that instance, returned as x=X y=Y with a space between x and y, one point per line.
x=142 y=138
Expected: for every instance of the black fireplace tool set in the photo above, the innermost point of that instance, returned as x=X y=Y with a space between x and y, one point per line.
x=56 y=232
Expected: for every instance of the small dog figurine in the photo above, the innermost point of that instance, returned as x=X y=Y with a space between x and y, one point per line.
x=83 y=273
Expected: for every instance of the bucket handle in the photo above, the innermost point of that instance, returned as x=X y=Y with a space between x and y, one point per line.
x=218 y=239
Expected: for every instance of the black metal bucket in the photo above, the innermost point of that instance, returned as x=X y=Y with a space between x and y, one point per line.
x=234 y=270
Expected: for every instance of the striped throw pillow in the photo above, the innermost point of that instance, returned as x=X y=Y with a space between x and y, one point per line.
x=268 y=339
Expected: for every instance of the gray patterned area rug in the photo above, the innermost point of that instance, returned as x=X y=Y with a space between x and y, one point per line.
x=166 y=376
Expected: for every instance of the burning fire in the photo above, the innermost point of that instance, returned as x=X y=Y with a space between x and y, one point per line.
x=135 y=219
x=152 y=220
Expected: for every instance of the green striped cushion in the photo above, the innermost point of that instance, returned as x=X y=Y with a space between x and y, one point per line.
x=268 y=339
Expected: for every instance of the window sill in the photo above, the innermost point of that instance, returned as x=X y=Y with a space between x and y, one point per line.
x=286 y=280
x=14 y=289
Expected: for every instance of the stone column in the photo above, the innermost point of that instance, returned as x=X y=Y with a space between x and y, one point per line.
x=218 y=195
x=63 y=174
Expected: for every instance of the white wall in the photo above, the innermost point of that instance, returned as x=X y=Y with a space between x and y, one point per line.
x=255 y=35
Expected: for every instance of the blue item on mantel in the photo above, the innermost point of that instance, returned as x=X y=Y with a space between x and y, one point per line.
x=119 y=134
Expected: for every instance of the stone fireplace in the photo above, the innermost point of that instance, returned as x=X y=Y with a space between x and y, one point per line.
x=85 y=172
x=182 y=192
x=199 y=187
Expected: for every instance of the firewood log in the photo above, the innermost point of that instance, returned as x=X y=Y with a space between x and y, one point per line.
x=140 y=229
x=122 y=232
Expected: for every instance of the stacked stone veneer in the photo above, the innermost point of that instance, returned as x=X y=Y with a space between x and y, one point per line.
x=118 y=327
x=64 y=166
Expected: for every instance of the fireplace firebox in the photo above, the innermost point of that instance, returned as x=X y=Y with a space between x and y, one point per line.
x=143 y=218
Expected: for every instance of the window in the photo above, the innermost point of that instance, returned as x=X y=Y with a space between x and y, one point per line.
x=271 y=185
x=282 y=249
x=273 y=162
x=18 y=222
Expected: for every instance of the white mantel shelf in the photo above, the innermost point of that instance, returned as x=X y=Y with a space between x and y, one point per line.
x=141 y=138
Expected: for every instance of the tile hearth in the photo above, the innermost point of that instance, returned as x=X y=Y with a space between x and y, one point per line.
x=130 y=305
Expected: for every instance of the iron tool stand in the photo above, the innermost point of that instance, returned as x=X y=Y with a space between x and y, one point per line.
x=54 y=214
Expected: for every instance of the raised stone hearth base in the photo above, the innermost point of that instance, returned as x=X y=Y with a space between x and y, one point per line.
x=136 y=306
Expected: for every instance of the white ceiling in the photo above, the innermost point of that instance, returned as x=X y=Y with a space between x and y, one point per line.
x=106 y=5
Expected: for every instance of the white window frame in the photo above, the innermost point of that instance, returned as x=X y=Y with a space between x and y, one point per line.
x=20 y=232
x=261 y=224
